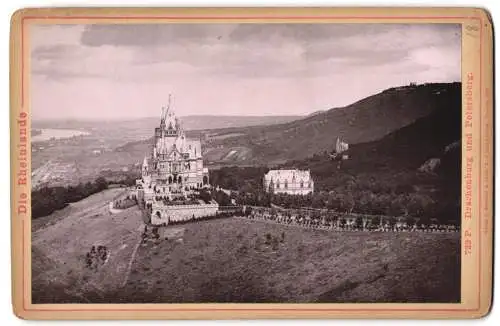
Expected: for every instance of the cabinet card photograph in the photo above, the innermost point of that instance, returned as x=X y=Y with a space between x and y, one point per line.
x=251 y=163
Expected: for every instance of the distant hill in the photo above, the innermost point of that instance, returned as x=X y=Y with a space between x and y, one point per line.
x=390 y=169
x=192 y=122
x=315 y=113
x=413 y=170
x=367 y=120
x=405 y=149
x=411 y=145
x=203 y=122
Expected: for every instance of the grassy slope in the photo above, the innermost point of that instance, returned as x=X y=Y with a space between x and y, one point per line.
x=398 y=154
x=227 y=261
x=367 y=120
x=61 y=240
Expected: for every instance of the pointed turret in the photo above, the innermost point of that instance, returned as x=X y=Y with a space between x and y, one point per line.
x=162 y=118
x=165 y=112
x=145 y=168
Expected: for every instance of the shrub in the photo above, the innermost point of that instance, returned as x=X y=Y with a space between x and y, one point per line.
x=359 y=222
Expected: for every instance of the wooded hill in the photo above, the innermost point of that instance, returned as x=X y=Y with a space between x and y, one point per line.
x=364 y=121
x=388 y=175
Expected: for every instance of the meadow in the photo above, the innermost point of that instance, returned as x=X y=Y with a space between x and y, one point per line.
x=237 y=260
x=234 y=260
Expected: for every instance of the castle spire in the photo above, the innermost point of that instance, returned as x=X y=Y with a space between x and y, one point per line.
x=170 y=110
x=162 y=118
x=165 y=112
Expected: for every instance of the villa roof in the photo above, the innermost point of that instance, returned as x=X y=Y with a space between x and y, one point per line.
x=288 y=174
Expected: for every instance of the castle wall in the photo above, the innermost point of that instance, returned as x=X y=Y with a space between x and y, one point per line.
x=176 y=213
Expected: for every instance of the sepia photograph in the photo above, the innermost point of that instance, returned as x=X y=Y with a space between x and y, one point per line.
x=246 y=162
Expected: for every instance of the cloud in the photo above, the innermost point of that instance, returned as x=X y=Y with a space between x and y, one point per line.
x=151 y=34
x=57 y=52
x=259 y=68
x=252 y=50
x=164 y=34
x=62 y=74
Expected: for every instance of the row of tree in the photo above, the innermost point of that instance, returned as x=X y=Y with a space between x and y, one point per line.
x=402 y=192
x=238 y=178
x=361 y=202
x=46 y=200
x=359 y=222
x=218 y=195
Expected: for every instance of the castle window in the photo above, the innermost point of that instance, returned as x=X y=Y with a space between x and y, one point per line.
x=301 y=184
x=286 y=184
x=309 y=185
x=278 y=184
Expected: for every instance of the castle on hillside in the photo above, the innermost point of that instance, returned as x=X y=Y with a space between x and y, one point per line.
x=292 y=182
x=340 y=148
x=172 y=175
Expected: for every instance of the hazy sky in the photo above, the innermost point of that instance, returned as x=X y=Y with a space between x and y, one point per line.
x=127 y=71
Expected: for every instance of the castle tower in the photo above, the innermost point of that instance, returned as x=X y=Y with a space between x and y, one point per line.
x=173 y=172
x=145 y=167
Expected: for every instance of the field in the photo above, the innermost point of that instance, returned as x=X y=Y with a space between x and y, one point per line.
x=61 y=240
x=228 y=260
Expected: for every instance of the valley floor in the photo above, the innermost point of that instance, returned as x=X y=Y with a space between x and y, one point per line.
x=235 y=260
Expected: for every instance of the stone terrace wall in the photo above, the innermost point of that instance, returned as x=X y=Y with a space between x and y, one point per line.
x=176 y=213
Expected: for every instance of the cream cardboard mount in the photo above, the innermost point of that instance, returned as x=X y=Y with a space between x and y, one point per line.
x=246 y=163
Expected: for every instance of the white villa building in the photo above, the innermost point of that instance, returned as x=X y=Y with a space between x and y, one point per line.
x=292 y=182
